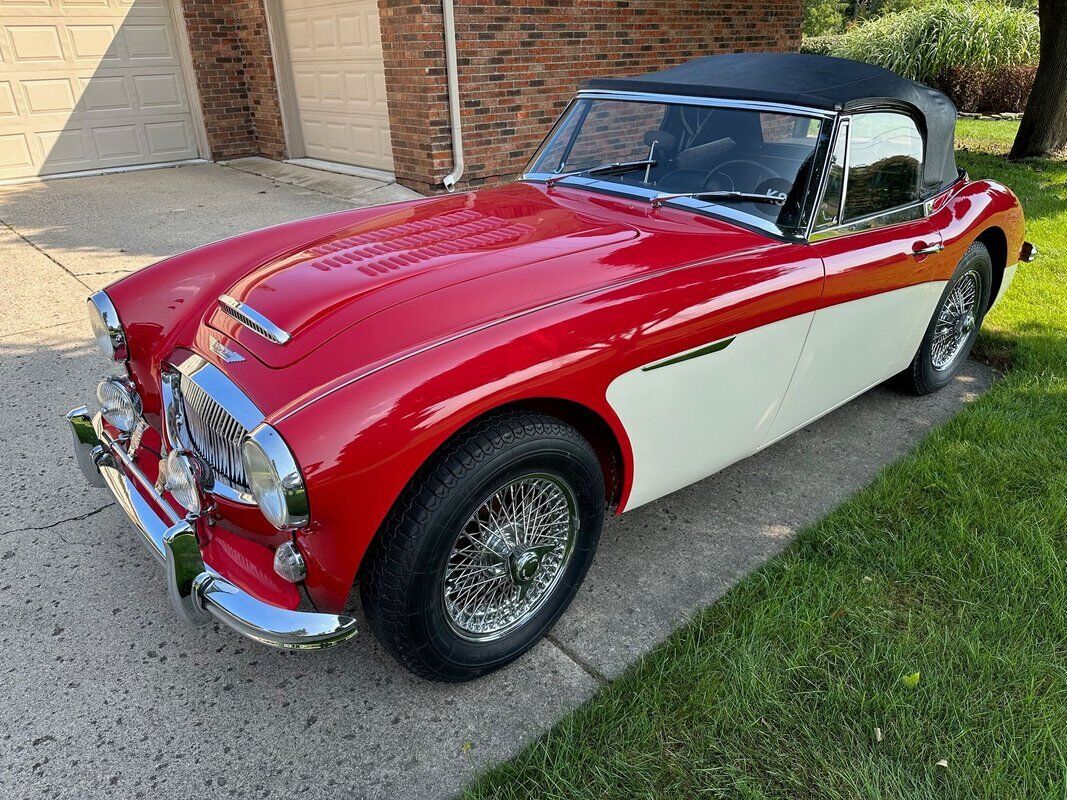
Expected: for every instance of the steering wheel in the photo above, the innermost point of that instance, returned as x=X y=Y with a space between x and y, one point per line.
x=765 y=172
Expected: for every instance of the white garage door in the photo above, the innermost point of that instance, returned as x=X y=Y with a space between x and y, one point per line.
x=338 y=76
x=90 y=84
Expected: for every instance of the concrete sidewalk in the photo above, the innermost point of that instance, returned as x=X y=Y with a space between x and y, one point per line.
x=108 y=694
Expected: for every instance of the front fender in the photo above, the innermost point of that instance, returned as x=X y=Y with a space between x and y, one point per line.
x=361 y=444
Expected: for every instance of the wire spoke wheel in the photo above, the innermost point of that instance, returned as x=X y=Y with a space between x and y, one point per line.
x=509 y=556
x=956 y=321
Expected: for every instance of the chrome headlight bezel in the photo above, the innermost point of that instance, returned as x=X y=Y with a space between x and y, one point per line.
x=274 y=479
x=107 y=328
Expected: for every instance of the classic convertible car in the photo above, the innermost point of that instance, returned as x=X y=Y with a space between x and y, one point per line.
x=438 y=401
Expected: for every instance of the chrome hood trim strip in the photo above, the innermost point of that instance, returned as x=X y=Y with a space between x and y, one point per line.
x=253 y=320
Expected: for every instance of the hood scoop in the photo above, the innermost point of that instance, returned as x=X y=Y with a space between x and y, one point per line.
x=253 y=320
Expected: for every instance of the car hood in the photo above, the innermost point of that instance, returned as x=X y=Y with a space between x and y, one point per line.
x=409 y=251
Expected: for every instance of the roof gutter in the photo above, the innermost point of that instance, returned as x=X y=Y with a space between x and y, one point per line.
x=452 y=72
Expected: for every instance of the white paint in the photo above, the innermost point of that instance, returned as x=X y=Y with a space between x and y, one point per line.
x=448 y=17
x=335 y=76
x=688 y=420
x=852 y=347
x=93 y=85
x=1009 y=276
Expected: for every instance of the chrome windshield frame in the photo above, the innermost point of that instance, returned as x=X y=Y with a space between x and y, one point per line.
x=607 y=186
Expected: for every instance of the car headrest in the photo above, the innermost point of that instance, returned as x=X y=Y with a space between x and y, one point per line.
x=704 y=156
x=665 y=142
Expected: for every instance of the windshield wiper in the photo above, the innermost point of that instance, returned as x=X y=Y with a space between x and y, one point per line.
x=774 y=198
x=603 y=169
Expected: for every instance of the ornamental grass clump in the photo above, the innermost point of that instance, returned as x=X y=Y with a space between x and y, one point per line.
x=961 y=48
x=920 y=43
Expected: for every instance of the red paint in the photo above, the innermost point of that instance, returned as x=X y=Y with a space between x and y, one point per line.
x=517 y=293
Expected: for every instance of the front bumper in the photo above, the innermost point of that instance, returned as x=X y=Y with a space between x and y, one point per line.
x=196 y=591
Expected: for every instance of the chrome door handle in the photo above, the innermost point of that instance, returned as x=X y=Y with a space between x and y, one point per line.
x=929 y=250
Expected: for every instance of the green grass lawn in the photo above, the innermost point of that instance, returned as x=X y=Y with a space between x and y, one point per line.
x=952 y=566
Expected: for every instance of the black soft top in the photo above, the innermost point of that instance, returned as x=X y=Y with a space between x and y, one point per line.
x=822 y=82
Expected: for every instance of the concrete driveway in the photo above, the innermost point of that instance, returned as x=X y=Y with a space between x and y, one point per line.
x=107 y=694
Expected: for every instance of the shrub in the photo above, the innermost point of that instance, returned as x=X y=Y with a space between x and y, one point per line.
x=987 y=91
x=824 y=16
x=820 y=45
x=921 y=43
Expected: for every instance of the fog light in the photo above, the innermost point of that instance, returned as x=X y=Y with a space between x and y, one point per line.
x=119 y=403
x=185 y=477
x=289 y=564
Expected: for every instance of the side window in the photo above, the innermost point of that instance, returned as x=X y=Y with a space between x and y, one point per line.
x=884 y=164
x=830 y=209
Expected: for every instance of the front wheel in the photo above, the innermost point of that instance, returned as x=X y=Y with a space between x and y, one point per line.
x=486 y=548
x=954 y=327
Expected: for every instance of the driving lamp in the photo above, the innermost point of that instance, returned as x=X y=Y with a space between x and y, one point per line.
x=274 y=479
x=184 y=478
x=289 y=564
x=107 y=330
x=119 y=403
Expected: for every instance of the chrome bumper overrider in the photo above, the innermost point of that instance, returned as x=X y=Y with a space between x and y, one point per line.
x=196 y=591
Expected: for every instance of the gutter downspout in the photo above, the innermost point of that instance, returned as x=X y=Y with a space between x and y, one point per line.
x=452 y=72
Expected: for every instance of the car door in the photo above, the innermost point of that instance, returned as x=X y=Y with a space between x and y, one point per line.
x=881 y=252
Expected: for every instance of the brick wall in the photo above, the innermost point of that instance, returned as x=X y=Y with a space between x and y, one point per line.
x=520 y=62
x=235 y=77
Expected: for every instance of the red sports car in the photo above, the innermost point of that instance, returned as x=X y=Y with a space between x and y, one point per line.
x=439 y=400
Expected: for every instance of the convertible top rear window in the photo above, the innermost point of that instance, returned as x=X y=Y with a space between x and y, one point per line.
x=683 y=148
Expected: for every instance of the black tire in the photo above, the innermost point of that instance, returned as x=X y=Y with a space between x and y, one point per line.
x=403 y=578
x=924 y=376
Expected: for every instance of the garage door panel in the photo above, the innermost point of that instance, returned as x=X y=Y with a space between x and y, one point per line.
x=14 y=152
x=86 y=84
x=7 y=100
x=338 y=76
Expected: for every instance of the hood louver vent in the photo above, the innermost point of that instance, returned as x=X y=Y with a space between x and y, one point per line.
x=253 y=320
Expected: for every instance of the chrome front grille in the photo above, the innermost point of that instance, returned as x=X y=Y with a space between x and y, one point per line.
x=213 y=433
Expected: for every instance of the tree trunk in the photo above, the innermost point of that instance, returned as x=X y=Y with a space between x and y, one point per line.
x=1043 y=130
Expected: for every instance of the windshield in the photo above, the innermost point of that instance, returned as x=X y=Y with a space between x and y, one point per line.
x=693 y=149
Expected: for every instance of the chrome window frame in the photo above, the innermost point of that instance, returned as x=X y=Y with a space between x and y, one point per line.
x=908 y=212
x=223 y=391
x=710 y=207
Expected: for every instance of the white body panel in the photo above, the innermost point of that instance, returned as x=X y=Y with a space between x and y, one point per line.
x=1009 y=276
x=334 y=49
x=688 y=420
x=91 y=86
x=854 y=346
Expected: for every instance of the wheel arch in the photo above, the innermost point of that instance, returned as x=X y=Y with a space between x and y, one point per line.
x=590 y=425
x=588 y=422
x=996 y=242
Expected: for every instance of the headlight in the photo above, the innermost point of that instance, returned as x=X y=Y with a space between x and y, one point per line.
x=119 y=403
x=275 y=479
x=107 y=330
x=184 y=477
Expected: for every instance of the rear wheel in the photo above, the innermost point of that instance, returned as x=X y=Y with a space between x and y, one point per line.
x=486 y=548
x=955 y=324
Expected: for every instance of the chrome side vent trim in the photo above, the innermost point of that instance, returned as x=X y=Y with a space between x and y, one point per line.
x=253 y=320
